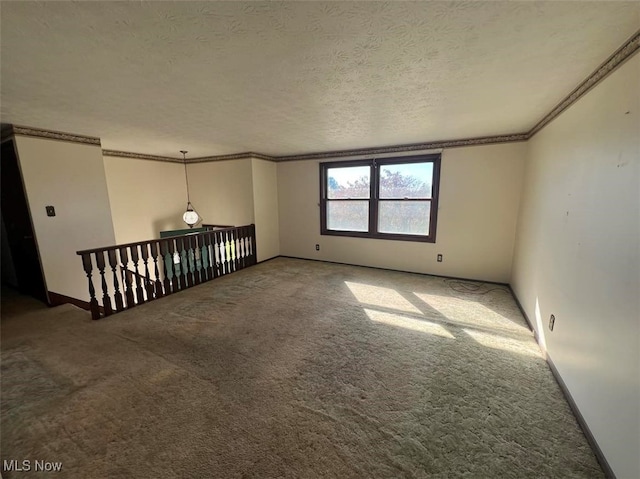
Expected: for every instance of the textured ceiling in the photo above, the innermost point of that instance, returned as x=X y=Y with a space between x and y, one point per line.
x=296 y=77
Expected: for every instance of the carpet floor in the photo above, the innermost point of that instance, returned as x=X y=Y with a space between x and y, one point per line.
x=294 y=369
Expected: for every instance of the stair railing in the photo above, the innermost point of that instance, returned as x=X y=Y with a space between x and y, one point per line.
x=134 y=273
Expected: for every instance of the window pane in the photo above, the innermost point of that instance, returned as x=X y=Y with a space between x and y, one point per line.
x=404 y=217
x=348 y=215
x=348 y=182
x=406 y=180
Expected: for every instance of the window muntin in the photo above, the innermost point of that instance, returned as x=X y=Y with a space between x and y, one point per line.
x=393 y=198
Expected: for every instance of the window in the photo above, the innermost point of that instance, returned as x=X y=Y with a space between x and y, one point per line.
x=391 y=198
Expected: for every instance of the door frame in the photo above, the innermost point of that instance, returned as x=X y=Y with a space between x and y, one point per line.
x=44 y=294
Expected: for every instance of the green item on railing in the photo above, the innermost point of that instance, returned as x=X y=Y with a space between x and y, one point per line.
x=186 y=231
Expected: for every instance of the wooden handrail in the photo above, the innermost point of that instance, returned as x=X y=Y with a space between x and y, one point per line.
x=126 y=245
x=134 y=273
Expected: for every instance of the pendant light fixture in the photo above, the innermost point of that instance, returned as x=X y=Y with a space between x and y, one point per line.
x=190 y=216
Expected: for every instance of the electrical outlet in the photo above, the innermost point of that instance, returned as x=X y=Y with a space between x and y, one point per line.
x=552 y=322
x=317 y=247
x=439 y=258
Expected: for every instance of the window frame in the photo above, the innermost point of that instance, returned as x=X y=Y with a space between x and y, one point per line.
x=374 y=197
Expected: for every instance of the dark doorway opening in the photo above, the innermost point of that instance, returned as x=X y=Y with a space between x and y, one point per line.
x=20 y=258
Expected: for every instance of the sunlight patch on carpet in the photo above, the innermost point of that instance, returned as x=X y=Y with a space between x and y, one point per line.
x=408 y=323
x=470 y=312
x=384 y=297
x=529 y=348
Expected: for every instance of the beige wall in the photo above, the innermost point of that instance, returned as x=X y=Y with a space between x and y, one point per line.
x=265 y=207
x=479 y=197
x=222 y=191
x=146 y=197
x=70 y=177
x=578 y=257
x=150 y=196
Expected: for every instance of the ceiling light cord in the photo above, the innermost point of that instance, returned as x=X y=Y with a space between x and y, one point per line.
x=186 y=175
x=190 y=216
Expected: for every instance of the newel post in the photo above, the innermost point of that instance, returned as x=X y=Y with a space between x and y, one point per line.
x=88 y=267
x=254 y=254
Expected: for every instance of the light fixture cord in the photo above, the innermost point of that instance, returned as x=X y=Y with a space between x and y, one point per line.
x=186 y=176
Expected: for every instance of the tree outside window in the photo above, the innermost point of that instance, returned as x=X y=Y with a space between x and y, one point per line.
x=386 y=198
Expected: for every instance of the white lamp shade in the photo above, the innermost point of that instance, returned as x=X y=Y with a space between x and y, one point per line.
x=190 y=217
